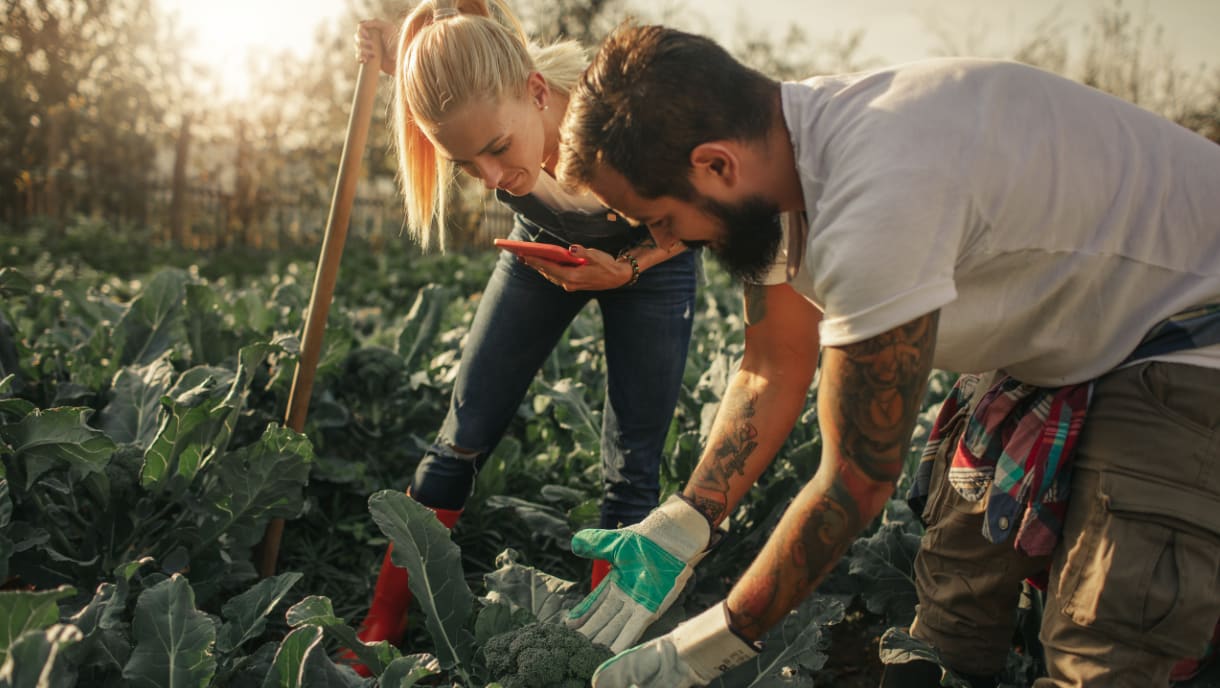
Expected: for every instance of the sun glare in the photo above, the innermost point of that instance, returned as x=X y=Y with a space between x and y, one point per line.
x=223 y=36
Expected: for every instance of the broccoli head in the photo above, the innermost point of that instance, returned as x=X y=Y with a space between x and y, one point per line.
x=543 y=655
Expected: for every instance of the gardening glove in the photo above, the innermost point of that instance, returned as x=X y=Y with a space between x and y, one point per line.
x=693 y=654
x=650 y=564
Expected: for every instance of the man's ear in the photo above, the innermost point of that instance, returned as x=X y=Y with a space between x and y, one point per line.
x=716 y=163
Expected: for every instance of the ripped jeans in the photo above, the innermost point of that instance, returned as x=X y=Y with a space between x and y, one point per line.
x=519 y=320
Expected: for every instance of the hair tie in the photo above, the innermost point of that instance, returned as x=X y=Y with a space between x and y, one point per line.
x=444 y=13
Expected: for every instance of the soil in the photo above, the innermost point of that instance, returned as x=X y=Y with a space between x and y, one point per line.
x=853 y=659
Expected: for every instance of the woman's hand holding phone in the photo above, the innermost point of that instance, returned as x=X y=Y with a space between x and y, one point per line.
x=547 y=252
x=599 y=272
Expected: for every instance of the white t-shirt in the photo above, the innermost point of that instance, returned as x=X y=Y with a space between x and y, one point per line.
x=1053 y=225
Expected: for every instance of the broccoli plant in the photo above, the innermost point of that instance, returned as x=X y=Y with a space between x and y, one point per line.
x=370 y=386
x=543 y=655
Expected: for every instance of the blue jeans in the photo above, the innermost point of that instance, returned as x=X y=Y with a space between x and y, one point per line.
x=519 y=320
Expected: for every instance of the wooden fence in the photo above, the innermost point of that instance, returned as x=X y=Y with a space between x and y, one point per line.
x=215 y=218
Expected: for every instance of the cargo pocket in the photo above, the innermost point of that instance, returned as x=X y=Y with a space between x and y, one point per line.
x=1184 y=393
x=1147 y=567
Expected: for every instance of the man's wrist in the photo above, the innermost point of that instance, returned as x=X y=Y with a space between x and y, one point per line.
x=678 y=528
x=710 y=646
x=695 y=505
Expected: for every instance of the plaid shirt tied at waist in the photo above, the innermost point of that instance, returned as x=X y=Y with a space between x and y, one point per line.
x=1017 y=445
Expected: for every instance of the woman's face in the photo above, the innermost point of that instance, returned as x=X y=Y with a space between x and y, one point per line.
x=498 y=141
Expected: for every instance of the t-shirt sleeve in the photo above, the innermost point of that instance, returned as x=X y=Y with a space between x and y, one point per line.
x=882 y=249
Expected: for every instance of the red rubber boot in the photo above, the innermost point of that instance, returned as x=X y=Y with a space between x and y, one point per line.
x=601 y=568
x=387 y=616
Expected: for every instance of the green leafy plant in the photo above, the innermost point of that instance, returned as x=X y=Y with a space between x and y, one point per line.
x=141 y=449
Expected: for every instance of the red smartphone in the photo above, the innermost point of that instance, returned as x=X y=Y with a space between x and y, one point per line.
x=551 y=252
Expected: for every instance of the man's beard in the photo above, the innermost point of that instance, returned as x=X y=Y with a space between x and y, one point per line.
x=751 y=234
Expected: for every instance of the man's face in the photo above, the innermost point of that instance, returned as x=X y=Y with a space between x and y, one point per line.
x=750 y=235
x=744 y=234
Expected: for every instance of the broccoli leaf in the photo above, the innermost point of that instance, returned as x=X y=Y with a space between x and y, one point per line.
x=132 y=416
x=58 y=437
x=883 y=565
x=24 y=611
x=246 y=615
x=544 y=596
x=423 y=547
x=173 y=638
x=794 y=649
x=498 y=617
x=317 y=611
x=194 y=415
x=422 y=324
x=35 y=659
x=203 y=320
x=256 y=483
x=572 y=411
x=102 y=644
x=152 y=324
x=406 y=672
x=899 y=647
x=288 y=670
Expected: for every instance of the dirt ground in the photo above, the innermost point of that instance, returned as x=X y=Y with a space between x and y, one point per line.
x=853 y=661
x=1210 y=678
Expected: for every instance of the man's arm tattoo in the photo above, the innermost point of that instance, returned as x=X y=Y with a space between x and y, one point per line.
x=880 y=388
x=804 y=555
x=711 y=480
x=879 y=385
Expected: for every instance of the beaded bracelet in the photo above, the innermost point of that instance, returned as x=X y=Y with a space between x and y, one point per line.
x=635 y=269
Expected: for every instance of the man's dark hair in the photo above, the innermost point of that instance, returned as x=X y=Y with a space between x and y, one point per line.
x=651 y=95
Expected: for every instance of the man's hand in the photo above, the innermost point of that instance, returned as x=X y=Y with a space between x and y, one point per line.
x=693 y=654
x=650 y=564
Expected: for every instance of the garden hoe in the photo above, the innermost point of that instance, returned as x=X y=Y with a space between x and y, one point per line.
x=324 y=279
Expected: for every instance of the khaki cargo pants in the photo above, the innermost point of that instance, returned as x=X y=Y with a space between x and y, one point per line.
x=1135 y=581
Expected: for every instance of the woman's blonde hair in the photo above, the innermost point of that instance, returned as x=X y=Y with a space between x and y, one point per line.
x=451 y=52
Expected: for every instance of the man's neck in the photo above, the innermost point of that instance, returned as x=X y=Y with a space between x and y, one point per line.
x=781 y=168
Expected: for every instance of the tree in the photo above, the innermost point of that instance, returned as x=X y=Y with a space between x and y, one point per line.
x=79 y=110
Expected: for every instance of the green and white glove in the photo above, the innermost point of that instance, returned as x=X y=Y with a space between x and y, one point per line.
x=693 y=654
x=650 y=563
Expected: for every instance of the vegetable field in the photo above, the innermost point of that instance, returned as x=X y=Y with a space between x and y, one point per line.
x=143 y=455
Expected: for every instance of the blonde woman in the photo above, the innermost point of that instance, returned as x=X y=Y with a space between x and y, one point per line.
x=472 y=92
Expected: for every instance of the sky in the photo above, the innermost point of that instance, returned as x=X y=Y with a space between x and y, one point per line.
x=894 y=30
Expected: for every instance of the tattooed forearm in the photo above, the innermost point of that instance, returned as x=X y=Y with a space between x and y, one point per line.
x=800 y=554
x=868 y=400
x=756 y=303
x=710 y=483
x=834 y=519
x=880 y=386
x=748 y=605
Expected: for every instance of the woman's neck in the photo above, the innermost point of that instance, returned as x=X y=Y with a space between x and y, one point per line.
x=552 y=116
